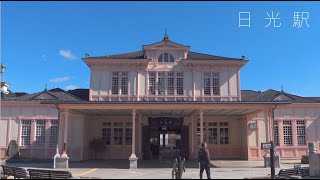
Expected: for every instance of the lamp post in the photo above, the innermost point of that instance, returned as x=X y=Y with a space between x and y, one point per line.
x=3 y=68
x=272 y=149
x=4 y=85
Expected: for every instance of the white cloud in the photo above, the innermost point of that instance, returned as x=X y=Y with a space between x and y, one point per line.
x=70 y=87
x=67 y=54
x=58 y=80
x=44 y=57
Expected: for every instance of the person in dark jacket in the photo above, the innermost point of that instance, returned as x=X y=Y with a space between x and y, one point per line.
x=204 y=159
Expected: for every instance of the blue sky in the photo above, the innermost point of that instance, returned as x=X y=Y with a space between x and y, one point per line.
x=43 y=42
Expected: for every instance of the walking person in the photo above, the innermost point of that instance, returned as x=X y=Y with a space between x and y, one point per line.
x=204 y=160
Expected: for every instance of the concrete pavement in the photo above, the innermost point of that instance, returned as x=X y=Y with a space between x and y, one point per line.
x=149 y=170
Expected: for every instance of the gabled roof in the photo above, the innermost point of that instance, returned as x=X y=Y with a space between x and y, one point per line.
x=247 y=95
x=164 y=43
x=80 y=93
x=201 y=56
x=129 y=55
x=55 y=94
x=273 y=95
x=314 y=98
x=140 y=55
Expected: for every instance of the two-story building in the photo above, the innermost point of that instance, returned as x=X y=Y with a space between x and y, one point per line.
x=161 y=102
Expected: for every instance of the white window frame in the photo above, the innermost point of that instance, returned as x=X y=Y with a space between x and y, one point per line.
x=54 y=132
x=215 y=85
x=161 y=58
x=301 y=132
x=120 y=83
x=25 y=132
x=170 y=83
x=287 y=133
x=180 y=87
x=107 y=136
x=40 y=135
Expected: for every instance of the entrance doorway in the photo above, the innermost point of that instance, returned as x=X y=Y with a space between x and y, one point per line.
x=170 y=144
x=165 y=138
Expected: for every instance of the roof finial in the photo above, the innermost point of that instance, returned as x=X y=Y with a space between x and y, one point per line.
x=165 y=38
x=46 y=87
x=282 y=88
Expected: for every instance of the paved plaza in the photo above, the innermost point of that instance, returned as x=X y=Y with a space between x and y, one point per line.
x=153 y=169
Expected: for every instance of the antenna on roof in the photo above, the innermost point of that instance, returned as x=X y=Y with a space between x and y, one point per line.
x=46 y=87
x=282 y=88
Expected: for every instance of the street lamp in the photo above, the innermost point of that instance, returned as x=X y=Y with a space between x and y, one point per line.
x=3 y=68
x=272 y=150
x=4 y=85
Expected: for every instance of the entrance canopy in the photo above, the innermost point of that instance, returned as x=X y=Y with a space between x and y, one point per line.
x=116 y=108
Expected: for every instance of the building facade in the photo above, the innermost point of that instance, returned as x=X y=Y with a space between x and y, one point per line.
x=156 y=103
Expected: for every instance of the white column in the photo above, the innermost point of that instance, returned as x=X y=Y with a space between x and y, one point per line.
x=140 y=138
x=194 y=87
x=65 y=134
x=192 y=134
x=266 y=121
x=19 y=132
x=147 y=84
x=201 y=126
x=133 y=158
x=133 y=155
x=137 y=85
x=9 y=131
x=238 y=83
x=60 y=138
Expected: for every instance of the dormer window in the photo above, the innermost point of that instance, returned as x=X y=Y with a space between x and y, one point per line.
x=166 y=57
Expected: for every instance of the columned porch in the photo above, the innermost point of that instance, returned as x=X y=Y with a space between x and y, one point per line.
x=224 y=126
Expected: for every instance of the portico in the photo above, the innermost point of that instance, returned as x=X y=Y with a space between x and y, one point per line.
x=135 y=118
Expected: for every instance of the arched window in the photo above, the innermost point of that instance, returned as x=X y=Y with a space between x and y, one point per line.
x=166 y=57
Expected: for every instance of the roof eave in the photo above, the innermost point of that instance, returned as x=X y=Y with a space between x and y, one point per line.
x=100 y=61
x=241 y=63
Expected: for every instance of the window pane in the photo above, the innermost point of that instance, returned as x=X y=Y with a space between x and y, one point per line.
x=224 y=136
x=115 y=85
x=40 y=136
x=287 y=135
x=179 y=83
x=128 y=136
x=124 y=85
x=152 y=85
x=161 y=86
x=54 y=133
x=276 y=131
x=215 y=84
x=301 y=132
x=171 y=58
x=207 y=88
x=170 y=86
x=117 y=136
x=160 y=59
x=25 y=132
x=106 y=135
x=166 y=57
x=213 y=136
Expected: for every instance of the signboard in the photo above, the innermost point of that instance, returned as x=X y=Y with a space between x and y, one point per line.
x=265 y=145
x=164 y=128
